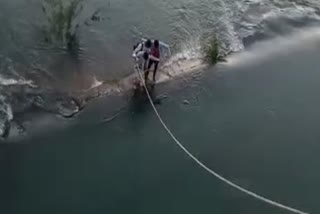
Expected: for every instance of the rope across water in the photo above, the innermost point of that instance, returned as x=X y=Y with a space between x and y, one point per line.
x=202 y=165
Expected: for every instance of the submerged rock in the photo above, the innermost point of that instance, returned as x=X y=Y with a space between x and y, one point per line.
x=68 y=108
x=157 y=102
x=186 y=102
x=158 y=99
x=64 y=106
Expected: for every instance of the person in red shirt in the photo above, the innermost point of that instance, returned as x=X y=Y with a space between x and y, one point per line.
x=154 y=59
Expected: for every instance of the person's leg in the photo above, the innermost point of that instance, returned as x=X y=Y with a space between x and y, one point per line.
x=155 y=71
x=146 y=65
x=148 y=70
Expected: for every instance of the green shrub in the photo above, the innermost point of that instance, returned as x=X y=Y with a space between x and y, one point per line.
x=61 y=26
x=211 y=50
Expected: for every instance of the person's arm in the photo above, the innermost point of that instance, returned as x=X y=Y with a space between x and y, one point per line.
x=137 y=50
x=139 y=54
x=155 y=55
x=154 y=58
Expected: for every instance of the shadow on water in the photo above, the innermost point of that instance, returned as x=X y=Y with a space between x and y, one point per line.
x=139 y=102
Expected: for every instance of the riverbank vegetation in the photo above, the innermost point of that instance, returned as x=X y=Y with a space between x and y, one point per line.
x=63 y=21
x=211 y=50
x=61 y=26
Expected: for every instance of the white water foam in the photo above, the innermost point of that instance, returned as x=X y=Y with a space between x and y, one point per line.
x=5 y=107
x=188 y=59
x=255 y=16
x=9 y=81
x=95 y=83
x=282 y=45
x=9 y=112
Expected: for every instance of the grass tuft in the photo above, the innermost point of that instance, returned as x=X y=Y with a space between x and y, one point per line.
x=211 y=51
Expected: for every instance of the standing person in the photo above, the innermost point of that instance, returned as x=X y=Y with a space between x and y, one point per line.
x=141 y=53
x=154 y=59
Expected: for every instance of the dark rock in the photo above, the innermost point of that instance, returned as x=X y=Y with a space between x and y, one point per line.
x=95 y=17
x=157 y=101
x=68 y=108
x=63 y=105
x=21 y=129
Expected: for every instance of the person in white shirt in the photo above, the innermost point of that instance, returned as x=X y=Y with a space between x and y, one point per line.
x=141 y=53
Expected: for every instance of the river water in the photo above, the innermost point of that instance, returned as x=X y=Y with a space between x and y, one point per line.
x=253 y=118
x=37 y=75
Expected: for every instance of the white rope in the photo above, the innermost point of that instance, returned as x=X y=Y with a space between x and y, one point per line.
x=248 y=192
